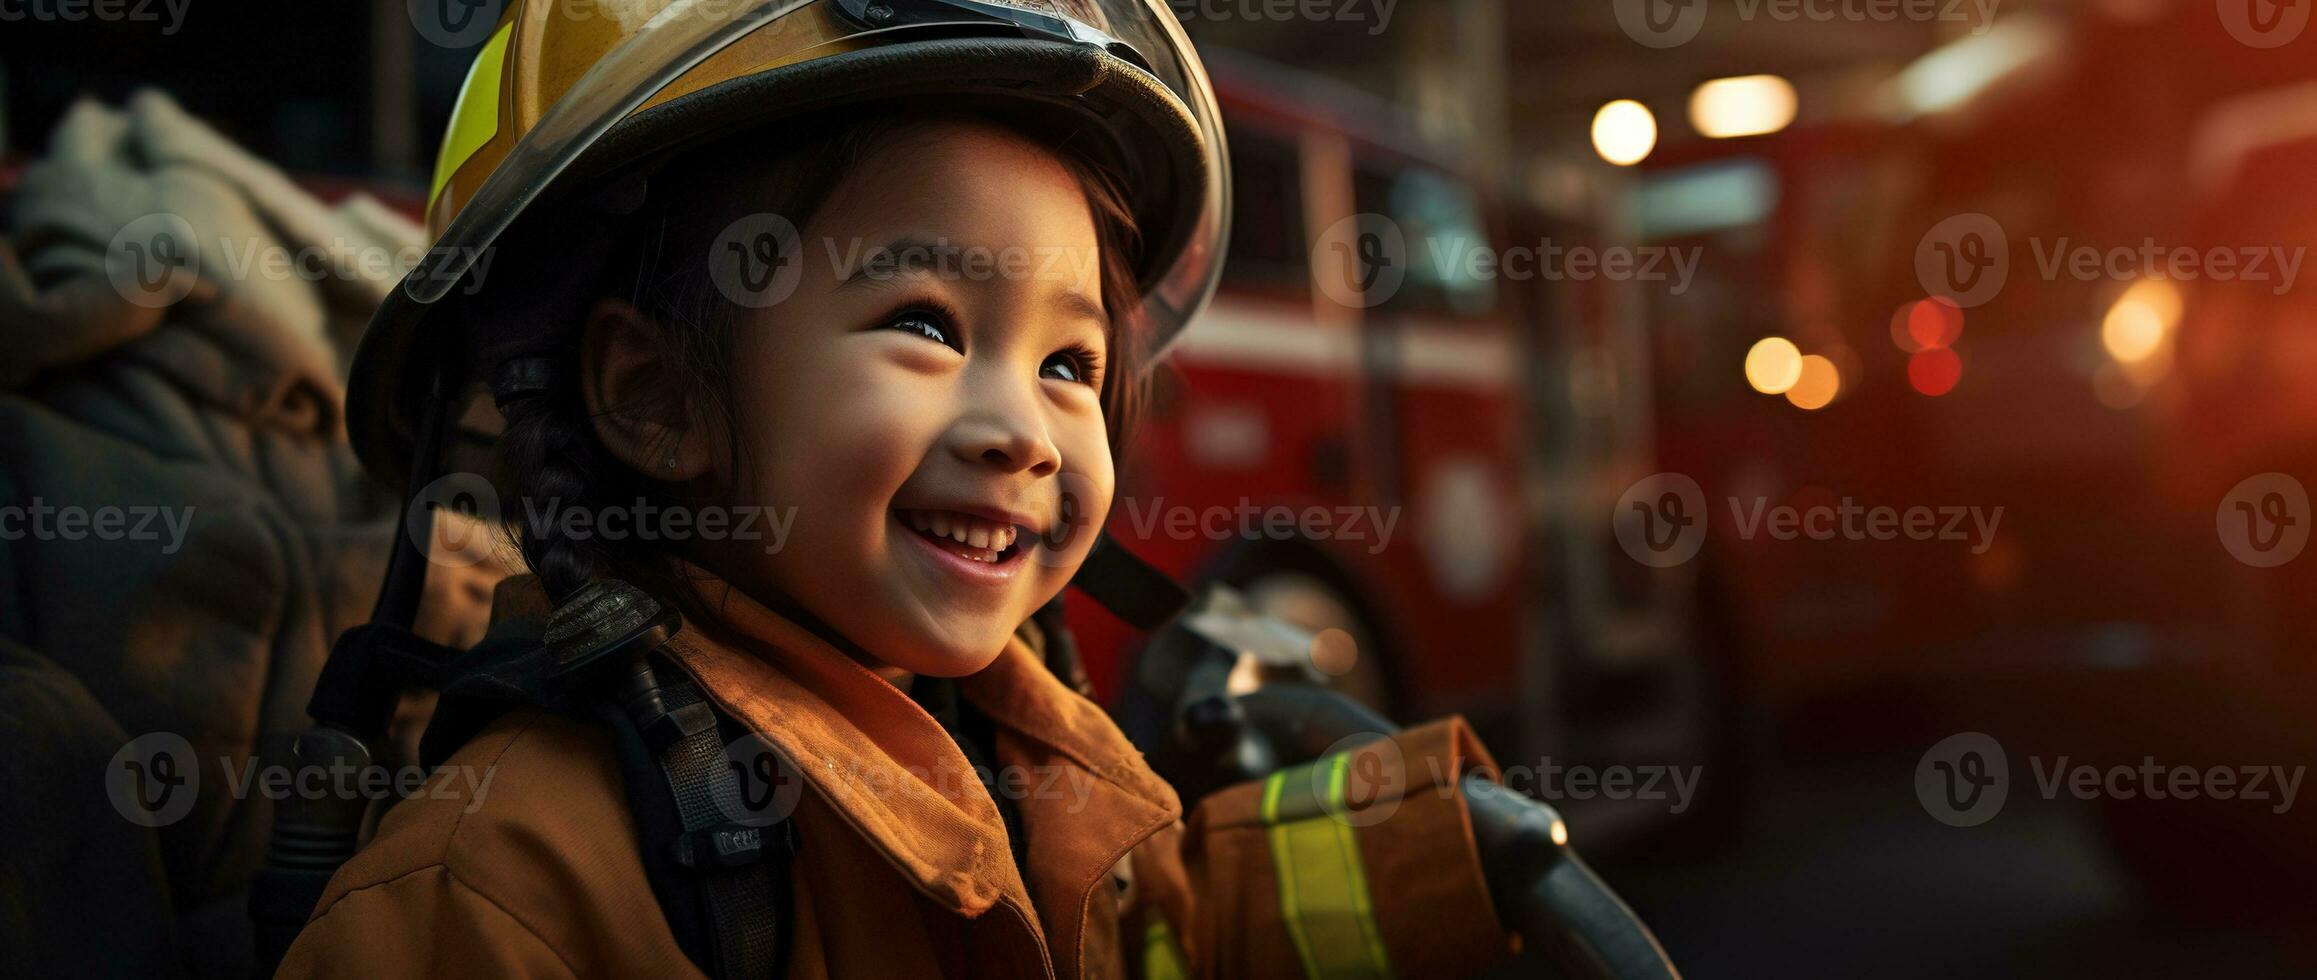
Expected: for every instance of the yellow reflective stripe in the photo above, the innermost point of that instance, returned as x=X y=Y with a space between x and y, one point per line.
x=1162 y=958
x=475 y=119
x=1323 y=884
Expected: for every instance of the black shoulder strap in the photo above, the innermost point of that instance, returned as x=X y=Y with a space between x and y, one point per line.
x=1132 y=589
x=735 y=843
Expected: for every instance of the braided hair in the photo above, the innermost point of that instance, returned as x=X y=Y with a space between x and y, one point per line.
x=653 y=257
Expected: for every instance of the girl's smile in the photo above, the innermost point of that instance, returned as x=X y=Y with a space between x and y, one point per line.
x=979 y=551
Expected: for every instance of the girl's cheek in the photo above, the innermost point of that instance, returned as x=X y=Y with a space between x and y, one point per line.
x=825 y=432
x=869 y=426
x=1087 y=472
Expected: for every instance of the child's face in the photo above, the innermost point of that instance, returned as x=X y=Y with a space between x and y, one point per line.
x=890 y=404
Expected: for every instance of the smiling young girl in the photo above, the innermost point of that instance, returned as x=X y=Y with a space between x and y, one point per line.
x=937 y=426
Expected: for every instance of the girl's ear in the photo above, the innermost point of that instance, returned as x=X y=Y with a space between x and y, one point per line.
x=639 y=409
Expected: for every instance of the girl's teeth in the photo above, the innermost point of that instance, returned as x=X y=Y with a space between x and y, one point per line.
x=972 y=532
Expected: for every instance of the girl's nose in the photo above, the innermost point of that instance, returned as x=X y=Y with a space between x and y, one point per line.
x=1006 y=431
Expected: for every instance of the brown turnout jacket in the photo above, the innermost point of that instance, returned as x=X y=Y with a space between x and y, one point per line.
x=903 y=865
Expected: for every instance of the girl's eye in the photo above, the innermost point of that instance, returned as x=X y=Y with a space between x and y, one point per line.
x=928 y=324
x=1076 y=364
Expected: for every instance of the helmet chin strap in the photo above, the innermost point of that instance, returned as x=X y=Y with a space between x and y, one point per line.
x=354 y=700
x=404 y=590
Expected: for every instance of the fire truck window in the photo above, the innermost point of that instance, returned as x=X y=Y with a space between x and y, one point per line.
x=1441 y=220
x=1267 y=241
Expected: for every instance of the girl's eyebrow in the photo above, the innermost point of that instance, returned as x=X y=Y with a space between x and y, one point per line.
x=1078 y=304
x=908 y=254
x=916 y=255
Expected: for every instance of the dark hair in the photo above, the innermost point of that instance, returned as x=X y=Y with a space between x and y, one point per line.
x=657 y=262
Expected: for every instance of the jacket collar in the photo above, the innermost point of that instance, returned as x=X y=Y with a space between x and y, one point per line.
x=891 y=772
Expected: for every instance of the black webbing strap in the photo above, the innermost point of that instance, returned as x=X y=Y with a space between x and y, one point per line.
x=1144 y=597
x=741 y=857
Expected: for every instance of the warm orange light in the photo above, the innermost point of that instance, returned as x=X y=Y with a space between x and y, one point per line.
x=1935 y=371
x=1819 y=383
x=1749 y=105
x=1934 y=322
x=1624 y=132
x=1773 y=365
x=2139 y=326
x=1901 y=336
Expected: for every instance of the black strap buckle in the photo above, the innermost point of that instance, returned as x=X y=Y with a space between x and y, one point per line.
x=678 y=724
x=729 y=845
x=367 y=669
